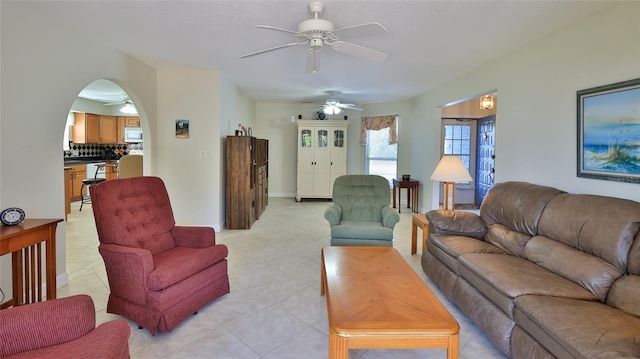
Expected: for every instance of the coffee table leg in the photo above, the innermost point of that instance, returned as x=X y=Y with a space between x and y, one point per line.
x=414 y=237
x=323 y=275
x=453 y=351
x=338 y=346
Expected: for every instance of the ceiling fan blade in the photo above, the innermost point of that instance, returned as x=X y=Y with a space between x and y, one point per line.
x=272 y=49
x=360 y=51
x=279 y=29
x=113 y=103
x=313 y=61
x=363 y=30
x=348 y=106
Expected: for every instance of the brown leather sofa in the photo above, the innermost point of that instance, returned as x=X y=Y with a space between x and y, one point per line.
x=543 y=273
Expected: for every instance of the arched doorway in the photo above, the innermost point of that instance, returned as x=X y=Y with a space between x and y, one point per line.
x=97 y=132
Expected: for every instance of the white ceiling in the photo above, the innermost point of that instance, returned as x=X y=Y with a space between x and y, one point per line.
x=429 y=42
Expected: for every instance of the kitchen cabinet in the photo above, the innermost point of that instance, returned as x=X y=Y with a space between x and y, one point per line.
x=67 y=191
x=262 y=188
x=322 y=157
x=126 y=122
x=108 y=129
x=78 y=173
x=86 y=128
x=111 y=170
x=92 y=128
x=241 y=181
x=132 y=122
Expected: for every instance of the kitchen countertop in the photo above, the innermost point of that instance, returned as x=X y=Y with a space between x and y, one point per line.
x=88 y=160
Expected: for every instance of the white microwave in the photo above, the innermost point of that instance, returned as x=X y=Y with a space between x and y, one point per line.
x=132 y=134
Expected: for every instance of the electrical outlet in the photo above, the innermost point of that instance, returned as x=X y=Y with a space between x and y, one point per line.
x=76 y=152
x=205 y=154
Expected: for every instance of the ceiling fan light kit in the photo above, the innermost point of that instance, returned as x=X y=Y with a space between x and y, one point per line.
x=317 y=32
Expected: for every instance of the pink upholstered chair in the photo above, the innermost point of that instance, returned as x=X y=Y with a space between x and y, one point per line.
x=158 y=273
x=61 y=328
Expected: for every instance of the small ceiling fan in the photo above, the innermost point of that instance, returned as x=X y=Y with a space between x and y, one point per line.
x=128 y=108
x=126 y=101
x=318 y=32
x=333 y=106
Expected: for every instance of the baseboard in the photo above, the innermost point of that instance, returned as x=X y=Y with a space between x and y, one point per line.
x=61 y=280
x=292 y=195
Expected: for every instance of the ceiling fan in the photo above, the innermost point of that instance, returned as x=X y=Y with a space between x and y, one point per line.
x=128 y=108
x=333 y=106
x=126 y=101
x=318 y=32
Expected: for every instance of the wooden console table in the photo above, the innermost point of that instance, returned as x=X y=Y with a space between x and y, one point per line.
x=412 y=193
x=24 y=242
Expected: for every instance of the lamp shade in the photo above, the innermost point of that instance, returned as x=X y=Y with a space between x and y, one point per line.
x=451 y=169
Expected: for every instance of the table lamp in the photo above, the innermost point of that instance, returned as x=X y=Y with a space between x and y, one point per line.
x=449 y=170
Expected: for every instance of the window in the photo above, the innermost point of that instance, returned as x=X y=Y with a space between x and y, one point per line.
x=457 y=141
x=382 y=158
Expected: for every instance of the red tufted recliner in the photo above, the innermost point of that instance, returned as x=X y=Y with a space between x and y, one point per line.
x=61 y=328
x=159 y=273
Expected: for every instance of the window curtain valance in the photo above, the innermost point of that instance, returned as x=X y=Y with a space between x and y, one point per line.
x=378 y=123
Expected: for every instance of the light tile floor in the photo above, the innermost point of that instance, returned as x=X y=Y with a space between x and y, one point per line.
x=274 y=310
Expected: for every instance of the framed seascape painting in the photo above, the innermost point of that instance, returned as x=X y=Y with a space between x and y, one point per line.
x=609 y=132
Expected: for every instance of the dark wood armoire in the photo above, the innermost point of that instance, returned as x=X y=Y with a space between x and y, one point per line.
x=241 y=181
x=247 y=177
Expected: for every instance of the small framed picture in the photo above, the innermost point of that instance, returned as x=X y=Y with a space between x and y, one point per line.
x=182 y=128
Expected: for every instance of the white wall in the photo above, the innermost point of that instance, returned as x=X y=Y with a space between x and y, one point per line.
x=42 y=74
x=536 y=116
x=192 y=181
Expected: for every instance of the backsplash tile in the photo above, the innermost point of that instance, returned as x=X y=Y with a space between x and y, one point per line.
x=95 y=150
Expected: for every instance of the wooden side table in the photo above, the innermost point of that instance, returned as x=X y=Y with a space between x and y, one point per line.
x=24 y=242
x=412 y=187
x=419 y=220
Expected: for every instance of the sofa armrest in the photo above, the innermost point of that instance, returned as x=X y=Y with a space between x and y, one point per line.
x=456 y=223
x=127 y=269
x=389 y=217
x=44 y=324
x=193 y=237
x=333 y=214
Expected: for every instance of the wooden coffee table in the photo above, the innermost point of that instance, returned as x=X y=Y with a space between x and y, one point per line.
x=376 y=300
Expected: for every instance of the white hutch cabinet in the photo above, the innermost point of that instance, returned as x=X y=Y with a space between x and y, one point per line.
x=322 y=157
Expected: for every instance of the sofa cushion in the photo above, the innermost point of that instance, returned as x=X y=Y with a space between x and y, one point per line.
x=364 y=230
x=585 y=329
x=589 y=271
x=447 y=248
x=511 y=241
x=625 y=295
x=516 y=205
x=504 y=277
x=456 y=223
x=177 y=264
x=583 y=222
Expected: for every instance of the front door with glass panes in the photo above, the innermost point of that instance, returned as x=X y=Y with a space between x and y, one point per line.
x=459 y=138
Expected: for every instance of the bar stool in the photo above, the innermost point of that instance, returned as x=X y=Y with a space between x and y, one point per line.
x=86 y=183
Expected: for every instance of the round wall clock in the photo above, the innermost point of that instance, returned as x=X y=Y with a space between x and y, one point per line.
x=12 y=216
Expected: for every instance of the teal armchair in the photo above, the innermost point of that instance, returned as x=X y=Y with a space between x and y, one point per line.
x=360 y=214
